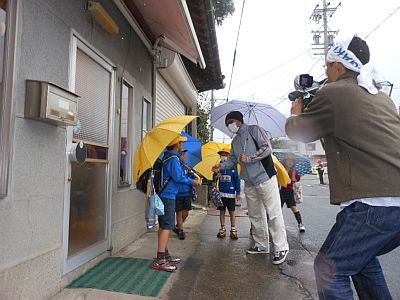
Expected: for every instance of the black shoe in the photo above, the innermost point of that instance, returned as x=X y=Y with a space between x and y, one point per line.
x=279 y=257
x=181 y=235
x=176 y=230
x=256 y=250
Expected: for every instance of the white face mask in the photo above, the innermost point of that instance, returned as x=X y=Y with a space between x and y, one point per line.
x=233 y=127
x=224 y=158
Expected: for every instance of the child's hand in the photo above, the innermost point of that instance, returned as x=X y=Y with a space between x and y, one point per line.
x=237 y=197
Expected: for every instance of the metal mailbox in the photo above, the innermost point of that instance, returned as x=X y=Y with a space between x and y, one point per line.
x=50 y=103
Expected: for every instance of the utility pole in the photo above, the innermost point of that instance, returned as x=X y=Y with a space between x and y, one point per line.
x=317 y=15
x=212 y=106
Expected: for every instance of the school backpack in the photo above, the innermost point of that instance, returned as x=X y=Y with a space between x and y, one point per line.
x=158 y=175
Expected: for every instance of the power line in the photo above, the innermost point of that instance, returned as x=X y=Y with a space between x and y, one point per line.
x=234 y=53
x=271 y=70
x=384 y=20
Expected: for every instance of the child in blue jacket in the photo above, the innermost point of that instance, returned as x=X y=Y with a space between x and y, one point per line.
x=183 y=203
x=173 y=176
x=229 y=188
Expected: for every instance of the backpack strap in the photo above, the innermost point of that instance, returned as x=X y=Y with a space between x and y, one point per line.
x=165 y=183
x=267 y=162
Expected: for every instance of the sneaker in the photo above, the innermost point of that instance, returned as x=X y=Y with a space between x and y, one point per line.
x=221 y=233
x=234 y=234
x=302 y=228
x=176 y=230
x=181 y=235
x=279 y=257
x=256 y=250
x=173 y=259
x=163 y=265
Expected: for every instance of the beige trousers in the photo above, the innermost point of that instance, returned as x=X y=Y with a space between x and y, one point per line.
x=264 y=199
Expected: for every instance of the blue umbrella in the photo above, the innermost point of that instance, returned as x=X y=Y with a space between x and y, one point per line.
x=193 y=147
x=302 y=165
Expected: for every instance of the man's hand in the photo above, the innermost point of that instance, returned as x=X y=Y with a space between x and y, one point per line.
x=237 y=197
x=216 y=168
x=297 y=107
x=244 y=158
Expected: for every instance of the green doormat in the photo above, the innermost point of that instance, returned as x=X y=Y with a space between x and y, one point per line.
x=123 y=275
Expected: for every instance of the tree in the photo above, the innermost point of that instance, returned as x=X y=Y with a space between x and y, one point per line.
x=203 y=122
x=279 y=144
x=222 y=9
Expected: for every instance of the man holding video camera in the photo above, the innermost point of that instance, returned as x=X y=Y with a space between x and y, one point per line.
x=360 y=128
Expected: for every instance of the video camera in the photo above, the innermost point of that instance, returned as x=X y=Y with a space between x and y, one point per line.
x=305 y=87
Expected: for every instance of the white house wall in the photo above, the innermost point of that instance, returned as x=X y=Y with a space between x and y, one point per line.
x=31 y=217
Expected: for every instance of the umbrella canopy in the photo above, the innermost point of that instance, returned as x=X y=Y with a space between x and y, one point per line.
x=263 y=115
x=155 y=141
x=282 y=176
x=302 y=163
x=210 y=158
x=193 y=147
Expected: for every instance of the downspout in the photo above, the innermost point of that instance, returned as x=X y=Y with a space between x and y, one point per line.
x=155 y=53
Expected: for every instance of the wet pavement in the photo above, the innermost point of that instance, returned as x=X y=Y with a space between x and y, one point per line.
x=221 y=269
x=215 y=268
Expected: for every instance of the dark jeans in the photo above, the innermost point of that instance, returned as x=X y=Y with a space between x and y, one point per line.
x=360 y=234
x=321 y=176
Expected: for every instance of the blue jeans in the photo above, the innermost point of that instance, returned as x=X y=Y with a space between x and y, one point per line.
x=360 y=234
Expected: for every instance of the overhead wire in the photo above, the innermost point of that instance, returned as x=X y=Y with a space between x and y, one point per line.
x=234 y=53
x=270 y=70
x=383 y=21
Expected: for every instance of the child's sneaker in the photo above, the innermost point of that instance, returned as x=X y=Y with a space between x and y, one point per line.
x=181 y=235
x=163 y=265
x=221 y=233
x=173 y=259
x=234 y=234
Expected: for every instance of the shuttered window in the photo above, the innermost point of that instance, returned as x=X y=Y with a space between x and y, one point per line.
x=94 y=90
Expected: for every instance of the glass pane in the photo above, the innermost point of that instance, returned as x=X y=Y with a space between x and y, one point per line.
x=146 y=117
x=2 y=40
x=87 y=222
x=123 y=167
x=5 y=108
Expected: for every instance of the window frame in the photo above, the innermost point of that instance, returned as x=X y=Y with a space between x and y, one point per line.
x=311 y=145
x=6 y=109
x=127 y=183
x=149 y=116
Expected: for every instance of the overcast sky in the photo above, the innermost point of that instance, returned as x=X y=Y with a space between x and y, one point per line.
x=275 y=45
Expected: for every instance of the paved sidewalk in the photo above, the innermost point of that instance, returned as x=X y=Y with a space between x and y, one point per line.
x=212 y=268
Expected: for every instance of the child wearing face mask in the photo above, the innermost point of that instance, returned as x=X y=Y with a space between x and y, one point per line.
x=229 y=188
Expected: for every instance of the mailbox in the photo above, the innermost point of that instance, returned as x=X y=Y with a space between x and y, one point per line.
x=50 y=103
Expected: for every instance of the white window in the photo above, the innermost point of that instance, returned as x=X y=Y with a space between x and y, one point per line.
x=7 y=45
x=311 y=147
x=146 y=116
x=125 y=121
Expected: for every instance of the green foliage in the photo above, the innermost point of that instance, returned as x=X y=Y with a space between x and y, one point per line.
x=222 y=9
x=203 y=121
x=279 y=144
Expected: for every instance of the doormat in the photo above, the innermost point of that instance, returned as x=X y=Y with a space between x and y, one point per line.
x=124 y=275
x=238 y=212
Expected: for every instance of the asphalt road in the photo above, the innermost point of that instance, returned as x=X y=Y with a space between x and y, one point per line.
x=318 y=217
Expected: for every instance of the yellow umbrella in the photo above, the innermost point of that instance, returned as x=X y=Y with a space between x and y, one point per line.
x=282 y=176
x=209 y=153
x=155 y=141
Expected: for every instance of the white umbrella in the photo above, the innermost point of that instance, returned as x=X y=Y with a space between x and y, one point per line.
x=263 y=115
